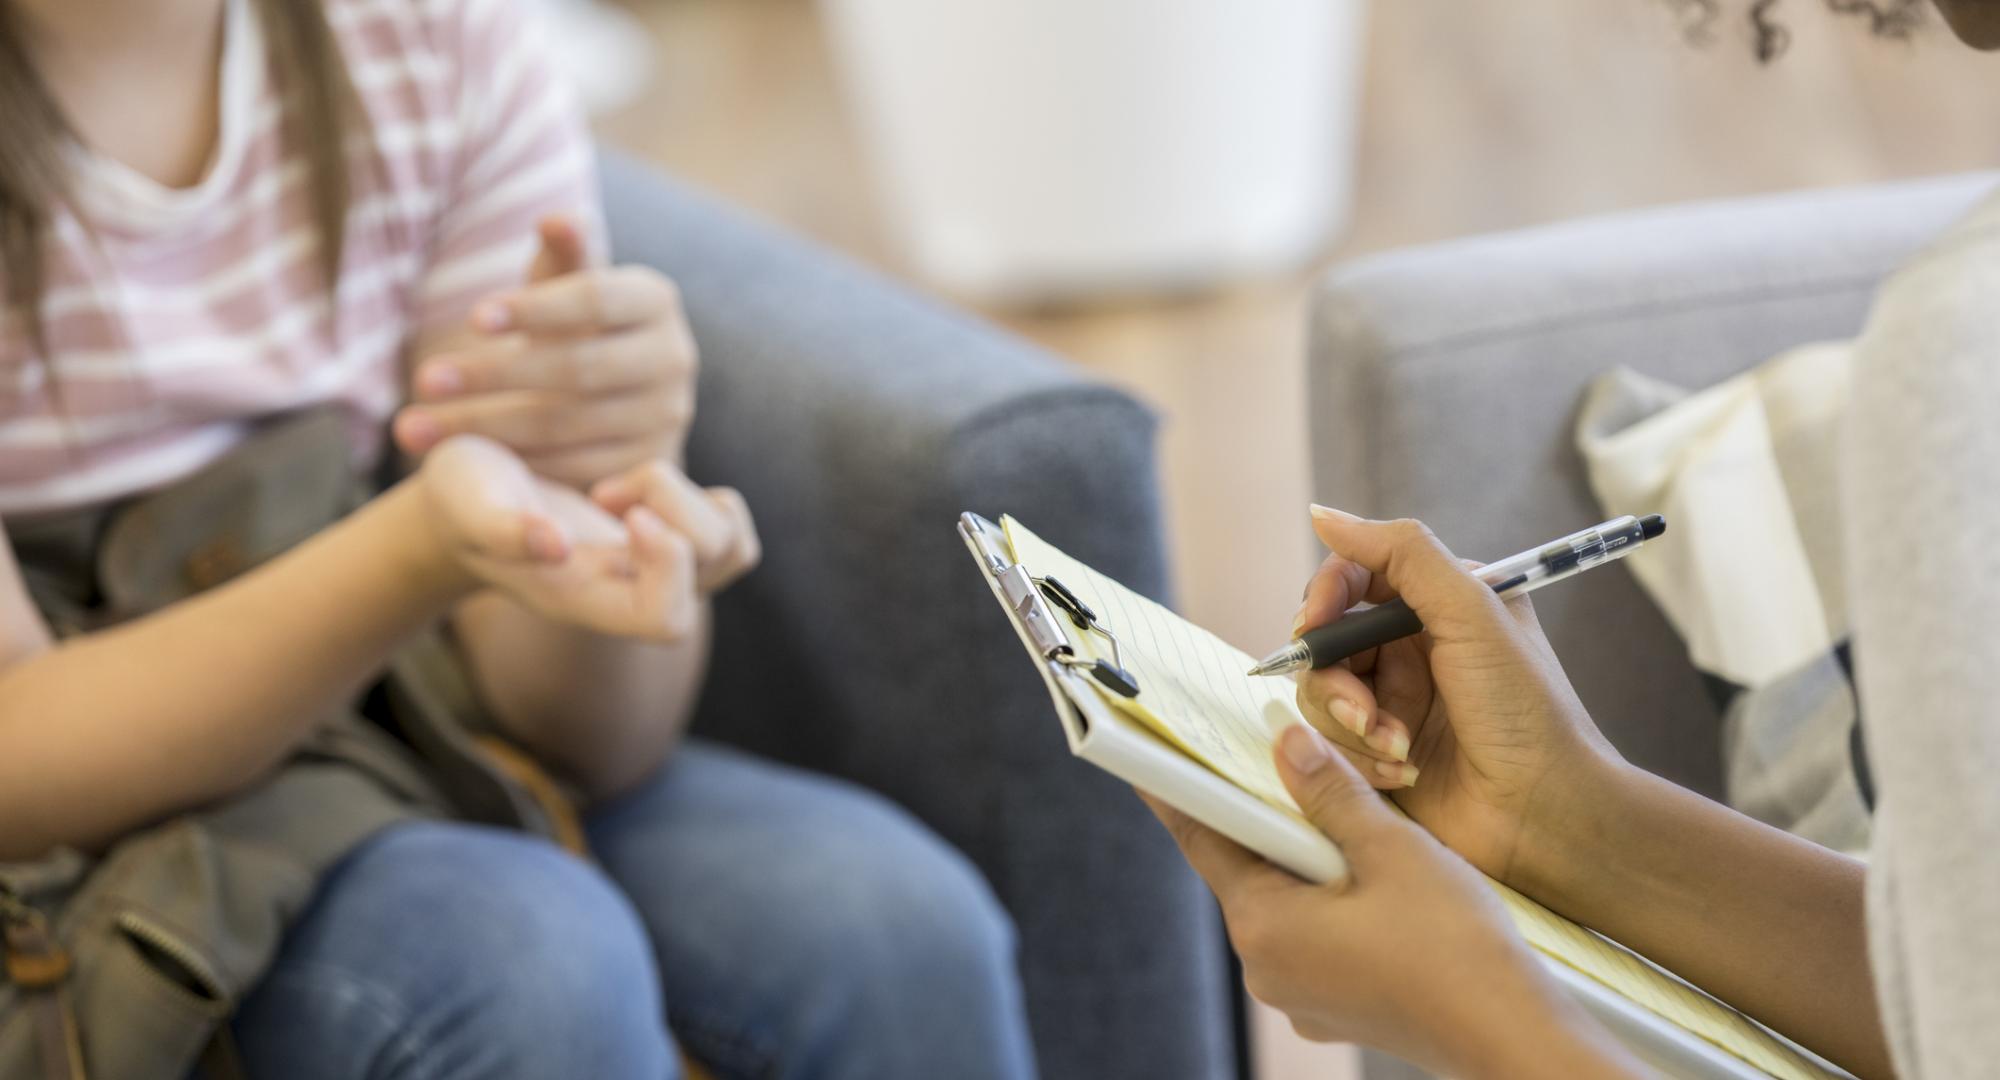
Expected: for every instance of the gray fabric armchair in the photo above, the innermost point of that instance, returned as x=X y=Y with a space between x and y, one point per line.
x=1445 y=383
x=858 y=421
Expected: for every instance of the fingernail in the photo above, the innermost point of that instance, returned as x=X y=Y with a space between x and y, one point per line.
x=1391 y=742
x=1305 y=748
x=491 y=315
x=1400 y=773
x=1328 y=513
x=545 y=541
x=1350 y=716
x=1299 y=621
x=439 y=380
x=418 y=430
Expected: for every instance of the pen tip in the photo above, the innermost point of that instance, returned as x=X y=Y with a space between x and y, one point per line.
x=1256 y=669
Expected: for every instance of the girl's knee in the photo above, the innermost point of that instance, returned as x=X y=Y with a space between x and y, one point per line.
x=529 y=920
x=917 y=936
x=943 y=908
x=904 y=911
x=483 y=945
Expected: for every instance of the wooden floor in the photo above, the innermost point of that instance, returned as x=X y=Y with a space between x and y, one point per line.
x=1477 y=116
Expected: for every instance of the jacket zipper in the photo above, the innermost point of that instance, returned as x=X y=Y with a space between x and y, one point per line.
x=211 y=994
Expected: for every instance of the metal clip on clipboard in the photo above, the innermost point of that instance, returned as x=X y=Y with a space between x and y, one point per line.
x=1030 y=598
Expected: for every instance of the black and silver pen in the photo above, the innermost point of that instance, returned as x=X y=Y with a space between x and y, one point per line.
x=1366 y=628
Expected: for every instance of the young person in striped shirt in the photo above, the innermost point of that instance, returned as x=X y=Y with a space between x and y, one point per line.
x=215 y=212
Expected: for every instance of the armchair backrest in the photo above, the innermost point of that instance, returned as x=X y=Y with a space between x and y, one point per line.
x=1445 y=381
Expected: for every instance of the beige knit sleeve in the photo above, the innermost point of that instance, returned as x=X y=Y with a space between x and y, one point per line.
x=1922 y=515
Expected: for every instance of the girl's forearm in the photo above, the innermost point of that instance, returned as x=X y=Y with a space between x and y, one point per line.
x=1764 y=920
x=112 y=730
x=603 y=712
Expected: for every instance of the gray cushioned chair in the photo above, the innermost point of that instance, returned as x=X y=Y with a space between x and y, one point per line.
x=859 y=420
x=1445 y=382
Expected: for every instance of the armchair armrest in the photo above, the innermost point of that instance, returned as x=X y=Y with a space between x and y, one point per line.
x=859 y=421
x=1445 y=382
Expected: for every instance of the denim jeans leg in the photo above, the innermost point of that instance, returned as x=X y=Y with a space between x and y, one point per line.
x=808 y=928
x=456 y=952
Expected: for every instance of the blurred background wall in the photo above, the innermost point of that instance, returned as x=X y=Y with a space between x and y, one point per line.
x=1466 y=117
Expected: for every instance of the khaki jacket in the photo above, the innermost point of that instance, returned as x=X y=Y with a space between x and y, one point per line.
x=126 y=965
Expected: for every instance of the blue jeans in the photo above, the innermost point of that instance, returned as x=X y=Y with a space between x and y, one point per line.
x=781 y=924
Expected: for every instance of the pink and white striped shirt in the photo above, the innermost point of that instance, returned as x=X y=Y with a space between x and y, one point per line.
x=181 y=317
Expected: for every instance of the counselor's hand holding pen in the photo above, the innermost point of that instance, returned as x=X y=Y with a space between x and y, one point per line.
x=1416 y=956
x=1506 y=771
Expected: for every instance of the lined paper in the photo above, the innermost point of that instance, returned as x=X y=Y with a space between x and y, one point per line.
x=1194 y=694
x=1192 y=690
x=1640 y=982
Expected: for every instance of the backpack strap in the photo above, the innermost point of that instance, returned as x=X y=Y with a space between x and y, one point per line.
x=558 y=811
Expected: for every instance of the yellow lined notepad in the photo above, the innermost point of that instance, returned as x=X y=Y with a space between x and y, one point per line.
x=1194 y=695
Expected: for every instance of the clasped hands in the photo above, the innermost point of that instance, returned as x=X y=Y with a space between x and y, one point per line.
x=551 y=442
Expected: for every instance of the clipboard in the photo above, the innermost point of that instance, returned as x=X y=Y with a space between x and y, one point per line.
x=1049 y=619
x=1120 y=745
